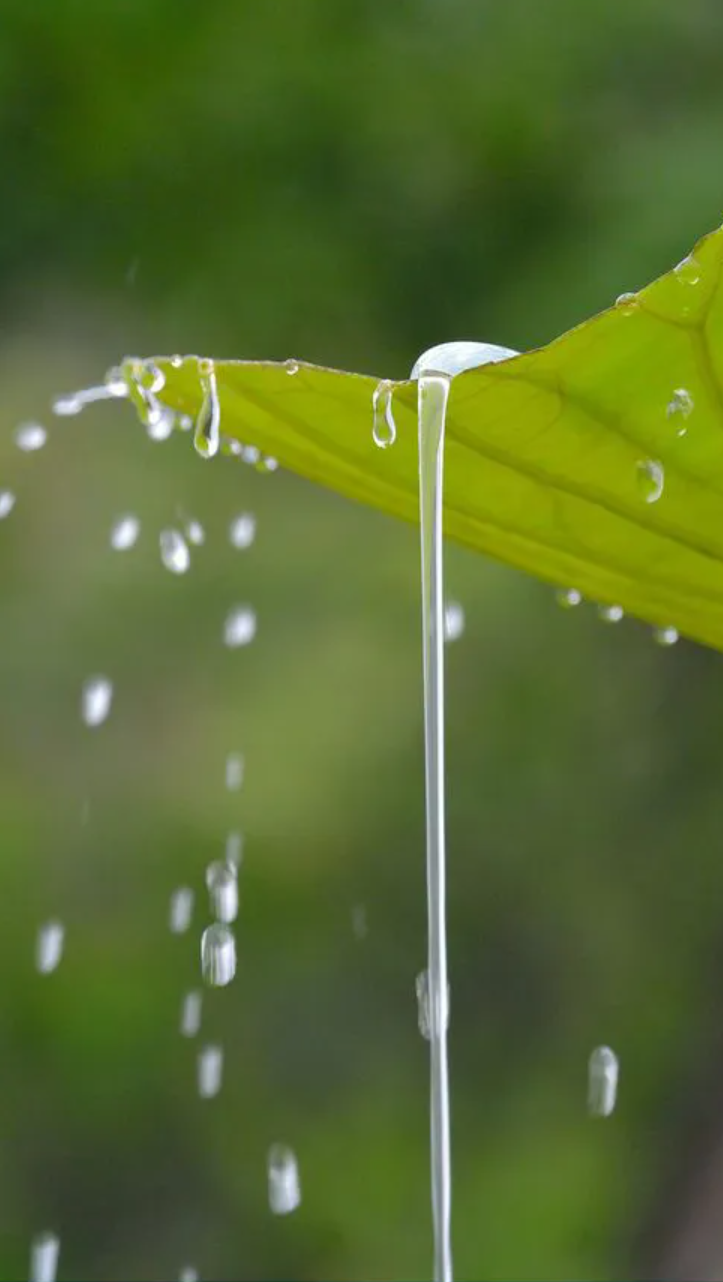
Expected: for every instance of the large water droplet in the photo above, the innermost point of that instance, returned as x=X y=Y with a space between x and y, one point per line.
x=384 y=429
x=610 y=613
x=234 y=771
x=284 y=1184
x=222 y=891
x=680 y=407
x=242 y=530
x=453 y=621
x=95 y=700
x=49 y=947
x=7 y=503
x=240 y=626
x=665 y=636
x=191 y=1009
x=30 y=437
x=603 y=1070
x=210 y=1071
x=207 y=436
x=651 y=479
x=181 y=909
x=627 y=304
x=455 y=358
x=124 y=533
x=44 y=1253
x=218 y=955
x=688 y=270
x=174 y=551
x=568 y=598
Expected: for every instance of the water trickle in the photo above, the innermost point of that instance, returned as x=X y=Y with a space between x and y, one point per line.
x=95 y=700
x=195 y=533
x=291 y=366
x=44 y=1253
x=181 y=910
x=207 y=435
x=688 y=270
x=627 y=304
x=113 y=387
x=568 y=598
x=49 y=947
x=610 y=613
x=240 y=626
x=234 y=771
x=242 y=530
x=218 y=955
x=210 y=1071
x=603 y=1071
x=680 y=407
x=284 y=1184
x=174 y=551
x=651 y=479
x=384 y=429
x=665 y=636
x=222 y=886
x=124 y=533
x=7 y=503
x=191 y=1009
x=234 y=849
x=453 y=621
x=30 y=437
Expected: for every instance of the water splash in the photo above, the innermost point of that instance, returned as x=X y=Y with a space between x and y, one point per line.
x=218 y=955
x=210 y=1071
x=96 y=700
x=207 y=434
x=44 y=1254
x=181 y=910
x=603 y=1072
x=49 y=947
x=284 y=1183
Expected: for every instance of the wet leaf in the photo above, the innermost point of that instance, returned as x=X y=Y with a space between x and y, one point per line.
x=595 y=463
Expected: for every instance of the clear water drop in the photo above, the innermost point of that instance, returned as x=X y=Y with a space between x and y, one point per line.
x=603 y=1072
x=49 y=947
x=181 y=910
x=30 y=437
x=240 y=626
x=651 y=479
x=453 y=621
x=207 y=435
x=95 y=700
x=680 y=407
x=7 y=503
x=688 y=270
x=124 y=533
x=222 y=886
x=44 y=1254
x=251 y=455
x=284 y=1183
x=291 y=366
x=665 y=636
x=195 y=533
x=234 y=849
x=218 y=955
x=456 y=357
x=568 y=598
x=210 y=1071
x=627 y=304
x=174 y=551
x=267 y=465
x=234 y=771
x=242 y=530
x=610 y=613
x=191 y=1009
x=384 y=429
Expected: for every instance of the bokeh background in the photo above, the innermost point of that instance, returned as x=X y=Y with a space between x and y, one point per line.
x=348 y=184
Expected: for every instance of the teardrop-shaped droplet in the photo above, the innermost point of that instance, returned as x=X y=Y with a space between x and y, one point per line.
x=49 y=947
x=218 y=955
x=207 y=436
x=384 y=429
x=174 y=551
x=627 y=304
x=610 y=613
x=222 y=884
x=124 y=533
x=688 y=270
x=96 y=699
x=210 y=1071
x=665 y=636
x=284 y=1183
x=651 y=479
x=680 y=407
x=603 y=1072
x=568 y=598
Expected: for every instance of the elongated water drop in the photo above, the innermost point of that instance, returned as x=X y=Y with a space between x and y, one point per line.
x=7 y=503
x=453 y=621
x=210 y=1071
x=384 y=429
x=242 y=530
x=191 y=1008
x=124 y=533
x=651 y=479
x=174 y=551
x=234 y=771
x=603 y=1071
x=30 y=437
x=627 y=304
x=610 y=613
x=222 y=886
x=234 y=849
x=49 y=947
x=44 y=1253
x=568 y=598
x=665 y=636
x=284 y=1184
x=218 y=955
x=240 y=626
x=96 y=700
x=181 y=910
x=207 y=436
x=680 y=407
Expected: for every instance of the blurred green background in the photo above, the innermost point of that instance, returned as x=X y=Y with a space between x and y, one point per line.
x=347 y=184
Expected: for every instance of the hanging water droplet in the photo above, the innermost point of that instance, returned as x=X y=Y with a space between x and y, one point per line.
x=456 y=357
x=240 y=626
x=234 y=771
x=218 y=955
x=174 y=551
x=610 y=613
x=7 y=503
x=291 y=366
x=665 y=636
x=651 y=479
x=688 y=270
x=242 y=530
x=359 y=923
x=207 y=434
x=267 y=464
x=124 y=533
x=222 y=891
x=195 y=533
x=284 y=1184
x=30 y=437
x=384 y=429
x=191 y=1008
x=603 y=1070
x=44 y=1253
x=96 y=699
x=181 y=910
x=680 y=407
x=568 y=598
x=453 y=621
x=627 y=304
x=234 y=849
x=49 y=947
x=251 y=455
x=160 y=422
x=210 y=1071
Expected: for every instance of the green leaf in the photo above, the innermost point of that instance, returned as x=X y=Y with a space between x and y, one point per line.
x=595 y=463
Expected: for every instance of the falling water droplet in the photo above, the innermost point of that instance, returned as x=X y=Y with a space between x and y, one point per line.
x=234 y=849
x=242 y=530
x=291 y=366
x=222 y=891
x=234 y=771
x=7 y=503
x=207 y=435
x=651 y=479
x=30 y=437
x=568 y=598
x=359 y=923
x=195 y=533
x=189 y=1274
x=688 y=270
x=49 y=947
x=160 y=422
x=240 y=626
x=96 y=699
x=627 y=304
x=174 y=551
x=284 y=1184
x=665 y=636
x=210 y=1071
x=181 y=910
x=124 y=533
x=44 y=1253
x=218 y=955
x=191 y=1008
x=384 y=429
x=603 y=1070
x=453 y=621
x=610 y=613
x=680 y=407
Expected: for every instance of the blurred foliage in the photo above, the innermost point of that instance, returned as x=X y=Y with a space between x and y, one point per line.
x=347 y=184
